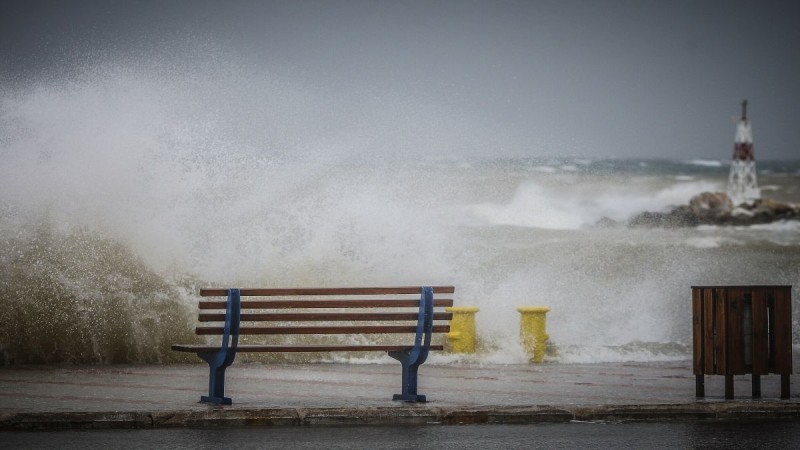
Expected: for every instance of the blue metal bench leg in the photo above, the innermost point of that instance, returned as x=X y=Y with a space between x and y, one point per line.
x=216 y=385
x=409 y=388
x=412 y=358
x=220 y=360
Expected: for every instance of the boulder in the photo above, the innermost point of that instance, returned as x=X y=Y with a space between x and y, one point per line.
x=716 y=208
x=772 y=207
x=681 y=216
x=717 y=203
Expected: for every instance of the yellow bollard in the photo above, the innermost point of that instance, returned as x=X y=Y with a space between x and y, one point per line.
x=462 y=328
x=532 y=331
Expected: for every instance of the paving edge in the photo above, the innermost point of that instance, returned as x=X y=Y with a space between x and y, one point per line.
x=411 y=415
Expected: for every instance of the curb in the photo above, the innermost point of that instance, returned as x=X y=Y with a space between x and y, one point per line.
x=224 y=417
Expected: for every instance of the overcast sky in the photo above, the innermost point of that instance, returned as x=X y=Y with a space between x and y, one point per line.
x=538 y=78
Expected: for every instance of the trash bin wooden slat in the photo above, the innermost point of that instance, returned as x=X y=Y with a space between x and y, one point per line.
x=708 y=332
x=783 y=332
x=697 y=330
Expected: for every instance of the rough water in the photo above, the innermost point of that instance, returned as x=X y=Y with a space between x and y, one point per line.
x=125 y=188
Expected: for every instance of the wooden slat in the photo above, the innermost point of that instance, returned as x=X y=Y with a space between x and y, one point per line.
x=735 y=331
x=364 y=329
x=721 y=337
x=215 y=292
x=709 y=354
x=720 y=347
x=322 y=317
x=299 y=348
x=697 y=330
x=760 y=337
x=783 y=330
x=332 y=303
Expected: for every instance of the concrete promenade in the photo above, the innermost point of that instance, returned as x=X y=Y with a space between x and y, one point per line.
x=160 y=396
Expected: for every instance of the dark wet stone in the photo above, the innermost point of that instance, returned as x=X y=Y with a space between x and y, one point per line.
x=716 y=208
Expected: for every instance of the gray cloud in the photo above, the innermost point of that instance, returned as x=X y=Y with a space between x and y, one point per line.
x=615 y=78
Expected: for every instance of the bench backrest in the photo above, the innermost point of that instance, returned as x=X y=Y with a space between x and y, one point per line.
x=327 y=311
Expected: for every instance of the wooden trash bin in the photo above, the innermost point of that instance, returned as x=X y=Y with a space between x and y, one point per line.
x=739 y=330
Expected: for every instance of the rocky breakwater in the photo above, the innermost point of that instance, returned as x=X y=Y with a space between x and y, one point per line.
x=716 y=208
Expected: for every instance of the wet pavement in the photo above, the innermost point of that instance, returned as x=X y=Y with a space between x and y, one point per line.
x=162 y=396
x=578 y=435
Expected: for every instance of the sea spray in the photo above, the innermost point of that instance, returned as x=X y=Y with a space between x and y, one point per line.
x=81 y=298
x=126 y=188
x=127 y=178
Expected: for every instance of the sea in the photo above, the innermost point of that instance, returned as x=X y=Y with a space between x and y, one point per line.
x=121 y=194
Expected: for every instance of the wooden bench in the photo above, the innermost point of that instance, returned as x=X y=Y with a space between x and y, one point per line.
x=334 y=315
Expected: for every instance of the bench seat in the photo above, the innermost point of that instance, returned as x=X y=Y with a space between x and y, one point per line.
x=300 y=348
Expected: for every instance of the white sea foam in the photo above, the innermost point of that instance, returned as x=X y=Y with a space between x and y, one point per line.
x=556 y=207
x=711 y=241
x=705 y=162
x=790 y=226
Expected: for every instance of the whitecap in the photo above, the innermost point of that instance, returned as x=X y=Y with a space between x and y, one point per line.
x=783 y=225
x=545 y=169
x=704 y=162
x=704 y=242
x=538 y=206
